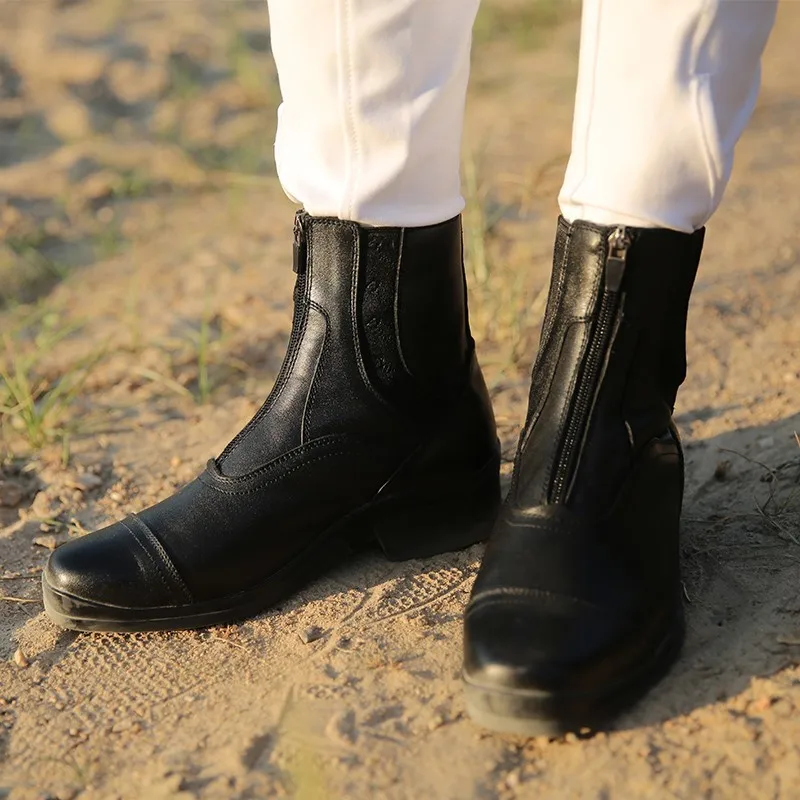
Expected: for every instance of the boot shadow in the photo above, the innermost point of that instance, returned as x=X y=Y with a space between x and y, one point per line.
x=741 y=569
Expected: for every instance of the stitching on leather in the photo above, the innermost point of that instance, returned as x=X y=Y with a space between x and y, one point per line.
x=317 y=371
x=305 y=301
x=523 y=595
x=162 y=554
x=546 y=336
x=156 y=565
x=275 y=463
x=396 y=303
x=333 y=222
x=585 y=225
x=261 y=486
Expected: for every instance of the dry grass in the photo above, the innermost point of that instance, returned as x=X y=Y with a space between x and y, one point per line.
x=780 y=509
x=36 y=397
x=525 y=23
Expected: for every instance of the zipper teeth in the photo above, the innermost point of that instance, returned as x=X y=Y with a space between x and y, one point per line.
x=580 y=410
x=579 y=414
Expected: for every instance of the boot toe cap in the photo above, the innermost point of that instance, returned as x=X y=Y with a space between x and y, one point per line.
x=109 y=567
x=555 y=645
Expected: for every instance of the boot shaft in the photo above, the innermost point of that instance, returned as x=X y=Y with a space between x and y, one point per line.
x=610 y=361
x=380 y=328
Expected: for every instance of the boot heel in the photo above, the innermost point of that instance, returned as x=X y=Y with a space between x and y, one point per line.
x=438 y=520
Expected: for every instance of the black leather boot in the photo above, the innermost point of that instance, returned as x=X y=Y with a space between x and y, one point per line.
x=379 y=429
x=577 y=609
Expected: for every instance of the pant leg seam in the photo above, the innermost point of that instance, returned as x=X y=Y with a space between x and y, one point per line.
x=591 y=101
x=352 y=139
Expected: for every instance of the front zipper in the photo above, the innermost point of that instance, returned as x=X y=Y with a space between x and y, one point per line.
x=618 y=243
x=300 y=267
x=299 y=249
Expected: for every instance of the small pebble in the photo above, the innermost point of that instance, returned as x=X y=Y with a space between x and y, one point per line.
x=20 y=659
x=48 y=541
x=311 y=634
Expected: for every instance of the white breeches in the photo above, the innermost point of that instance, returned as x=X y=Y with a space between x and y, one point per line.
x=373 y=106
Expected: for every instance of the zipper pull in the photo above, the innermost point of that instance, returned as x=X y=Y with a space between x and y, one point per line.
x=299 y=246
x=618 y=243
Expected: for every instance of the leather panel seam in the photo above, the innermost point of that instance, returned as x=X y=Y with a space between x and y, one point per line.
x=162 y=554
x=158 y=567
x=396 y=303
x=330 y=439
x=264 y=484
x=549 y=328
x=317 y=370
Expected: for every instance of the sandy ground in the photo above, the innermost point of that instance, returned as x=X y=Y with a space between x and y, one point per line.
x=137 y=200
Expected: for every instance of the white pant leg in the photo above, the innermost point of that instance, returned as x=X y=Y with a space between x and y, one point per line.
x=373 y=106
x=665 y=89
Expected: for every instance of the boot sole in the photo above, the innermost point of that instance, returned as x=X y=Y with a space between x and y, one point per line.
x=540 y=713
x=418 y=527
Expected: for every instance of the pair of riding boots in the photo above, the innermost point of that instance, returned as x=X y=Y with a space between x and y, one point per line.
x=379 y=432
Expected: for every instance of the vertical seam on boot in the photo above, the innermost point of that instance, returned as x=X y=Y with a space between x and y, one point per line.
x=312 y=391
x=544 y=338
x=164 y=562
x=397 y=303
